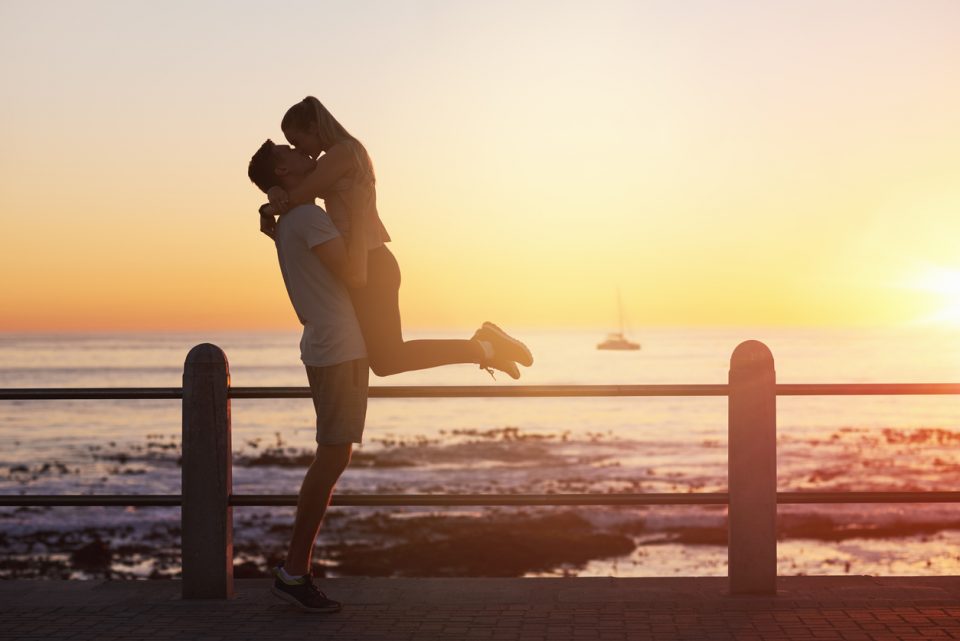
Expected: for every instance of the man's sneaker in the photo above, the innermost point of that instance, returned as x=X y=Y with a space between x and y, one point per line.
x=504 y=345
x=303 y=593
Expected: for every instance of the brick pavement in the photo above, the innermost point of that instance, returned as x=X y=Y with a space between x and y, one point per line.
x=571 y=609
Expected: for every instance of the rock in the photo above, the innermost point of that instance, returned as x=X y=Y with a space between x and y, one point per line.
x=95 y=555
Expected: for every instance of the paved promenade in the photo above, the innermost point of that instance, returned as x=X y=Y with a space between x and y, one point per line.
x=845 y=608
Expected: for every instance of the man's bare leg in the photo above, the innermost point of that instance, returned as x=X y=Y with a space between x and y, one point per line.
x=322 y=475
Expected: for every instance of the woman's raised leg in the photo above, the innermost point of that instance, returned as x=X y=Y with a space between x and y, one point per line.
x=378 y=311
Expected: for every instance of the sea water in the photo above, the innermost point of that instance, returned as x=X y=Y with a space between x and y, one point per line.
x=535 y=445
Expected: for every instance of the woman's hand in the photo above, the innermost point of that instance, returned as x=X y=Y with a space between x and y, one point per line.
x=279 y=198
x=268 y=224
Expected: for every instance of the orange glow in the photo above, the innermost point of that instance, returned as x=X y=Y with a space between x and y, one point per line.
x=706 y=160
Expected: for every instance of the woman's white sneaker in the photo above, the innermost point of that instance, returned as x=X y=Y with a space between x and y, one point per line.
x=491 y=360
x=504 y=345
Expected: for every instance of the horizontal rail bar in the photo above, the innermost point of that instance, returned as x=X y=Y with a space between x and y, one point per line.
x=398 y=391
x=454 y=500
x=104 y=500
x=867 y=389
x=90 y=393
x=385 y=391
x=375 y=500
x=506 y=391
x=795 y=498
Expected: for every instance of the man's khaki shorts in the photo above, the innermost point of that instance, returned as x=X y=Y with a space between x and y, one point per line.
x=340 y=398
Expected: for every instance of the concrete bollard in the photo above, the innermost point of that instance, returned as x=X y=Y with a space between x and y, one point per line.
x=752 y=472
x=206 y=518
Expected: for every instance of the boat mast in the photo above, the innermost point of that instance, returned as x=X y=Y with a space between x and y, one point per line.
x=620 y=310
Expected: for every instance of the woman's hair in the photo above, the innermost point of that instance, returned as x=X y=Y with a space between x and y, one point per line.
x=310 y=110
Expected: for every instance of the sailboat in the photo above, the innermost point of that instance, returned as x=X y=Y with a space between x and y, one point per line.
x=616 y=340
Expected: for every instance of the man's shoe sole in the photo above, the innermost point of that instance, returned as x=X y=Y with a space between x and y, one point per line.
x=289 y=598
x=526 y=356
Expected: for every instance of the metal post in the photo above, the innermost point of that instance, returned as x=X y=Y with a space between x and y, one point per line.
x=206 y=517
x=752 y=472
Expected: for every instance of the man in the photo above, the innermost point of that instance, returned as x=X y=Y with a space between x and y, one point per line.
x=315 y=263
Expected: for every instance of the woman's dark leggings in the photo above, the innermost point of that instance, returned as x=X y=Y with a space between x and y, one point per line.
x=378 y=310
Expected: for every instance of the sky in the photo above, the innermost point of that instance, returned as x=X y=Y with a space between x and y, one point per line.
x=718 y=163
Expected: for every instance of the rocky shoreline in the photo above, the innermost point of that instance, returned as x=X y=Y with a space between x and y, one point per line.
x=501 y=542
x=490 y=542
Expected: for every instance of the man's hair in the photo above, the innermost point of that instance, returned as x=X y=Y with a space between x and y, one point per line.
x=263 y=167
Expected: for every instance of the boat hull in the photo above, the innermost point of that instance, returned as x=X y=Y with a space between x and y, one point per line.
x=619 y=346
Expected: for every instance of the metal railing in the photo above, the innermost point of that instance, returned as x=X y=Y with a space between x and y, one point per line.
x=207 y=499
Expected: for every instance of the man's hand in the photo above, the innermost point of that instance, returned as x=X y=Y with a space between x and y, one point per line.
x=279 y=198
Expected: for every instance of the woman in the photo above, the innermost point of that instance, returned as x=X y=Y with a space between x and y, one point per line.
x=344 y=178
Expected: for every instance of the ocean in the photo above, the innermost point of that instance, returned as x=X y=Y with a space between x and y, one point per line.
x=902 y=443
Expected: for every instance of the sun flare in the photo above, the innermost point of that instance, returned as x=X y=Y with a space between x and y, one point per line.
x=944 y=283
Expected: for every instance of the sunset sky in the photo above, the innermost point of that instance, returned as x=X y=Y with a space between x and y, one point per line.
x=722 y=163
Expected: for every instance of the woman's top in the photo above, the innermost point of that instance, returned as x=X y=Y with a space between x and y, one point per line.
x=357 y=187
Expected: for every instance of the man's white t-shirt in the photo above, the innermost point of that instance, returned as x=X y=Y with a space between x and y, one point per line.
x=331 y=334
